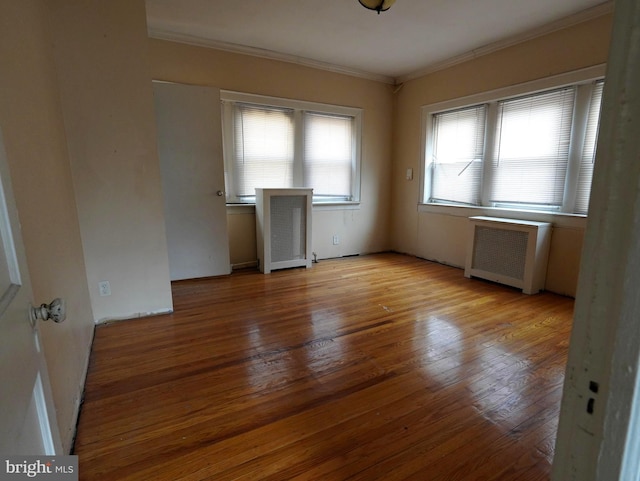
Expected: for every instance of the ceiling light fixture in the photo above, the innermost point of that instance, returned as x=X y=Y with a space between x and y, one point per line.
x=377 y=5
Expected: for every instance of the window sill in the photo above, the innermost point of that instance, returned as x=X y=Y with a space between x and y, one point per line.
x=344 y=205
x=235 y=209
x=556 y=218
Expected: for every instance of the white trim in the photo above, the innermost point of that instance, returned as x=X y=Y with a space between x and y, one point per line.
x=584 y=16
x=134 y=315
x=328 y=206
x=43 y=417
x=161 y=34
x=631 y=461
x=243 y=209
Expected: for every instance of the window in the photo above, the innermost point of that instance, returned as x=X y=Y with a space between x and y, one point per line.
x=531 y=154
x=263 y=149
x=277 y=143
x=532 y=151
x=589 y=150
x=328 y=154
x=457 y=155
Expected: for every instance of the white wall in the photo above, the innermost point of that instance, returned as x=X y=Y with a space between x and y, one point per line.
x=107 y=100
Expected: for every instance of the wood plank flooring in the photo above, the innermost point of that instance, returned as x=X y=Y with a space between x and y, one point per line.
x=380 y=367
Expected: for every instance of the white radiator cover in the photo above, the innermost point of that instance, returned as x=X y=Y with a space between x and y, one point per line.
x=509 y=251
x=283 y=228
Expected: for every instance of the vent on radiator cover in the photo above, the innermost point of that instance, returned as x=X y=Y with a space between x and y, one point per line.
x=509 y=251
x=500 y=250
x=288 y=227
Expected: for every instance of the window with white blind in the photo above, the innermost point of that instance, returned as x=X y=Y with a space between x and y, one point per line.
x=328 y=155
x=262 y=148
x=529 y=152
x=279 y=143
x=458 y=152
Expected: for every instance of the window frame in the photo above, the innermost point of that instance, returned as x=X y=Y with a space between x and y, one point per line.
x=299 y=107
x=583 y=79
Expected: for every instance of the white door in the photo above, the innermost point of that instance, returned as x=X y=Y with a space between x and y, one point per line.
x=27 y=417
x=192 y=167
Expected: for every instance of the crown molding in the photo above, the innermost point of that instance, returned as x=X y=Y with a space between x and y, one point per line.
x=586 y=15
x=264 y=53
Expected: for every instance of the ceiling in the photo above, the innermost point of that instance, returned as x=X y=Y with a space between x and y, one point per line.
x=410 y=39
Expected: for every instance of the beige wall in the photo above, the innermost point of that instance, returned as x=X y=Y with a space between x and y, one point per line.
x=361 y=230
x=32 y=125
x=107 y=100
x=436 y=233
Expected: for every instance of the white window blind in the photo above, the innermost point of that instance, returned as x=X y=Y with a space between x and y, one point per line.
x=589 y=150
x=531 y=151
x=328 y=155
x=263 y=148
x=458 y=154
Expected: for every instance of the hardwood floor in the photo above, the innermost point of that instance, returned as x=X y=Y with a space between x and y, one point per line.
x=374 y=367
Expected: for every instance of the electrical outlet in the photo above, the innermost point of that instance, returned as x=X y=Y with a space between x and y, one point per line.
x=105 y=288
x=336 y=240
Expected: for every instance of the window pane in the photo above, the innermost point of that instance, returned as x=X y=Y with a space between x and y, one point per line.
x=263 y=148
x=532 y=148
x=589 y=151
x=458 y=153
x=328 y=155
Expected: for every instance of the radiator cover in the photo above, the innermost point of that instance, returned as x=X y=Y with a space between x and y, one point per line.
x=509 y=251
x=283 y=228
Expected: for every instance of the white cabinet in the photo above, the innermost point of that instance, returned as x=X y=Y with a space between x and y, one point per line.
x=283 y=228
